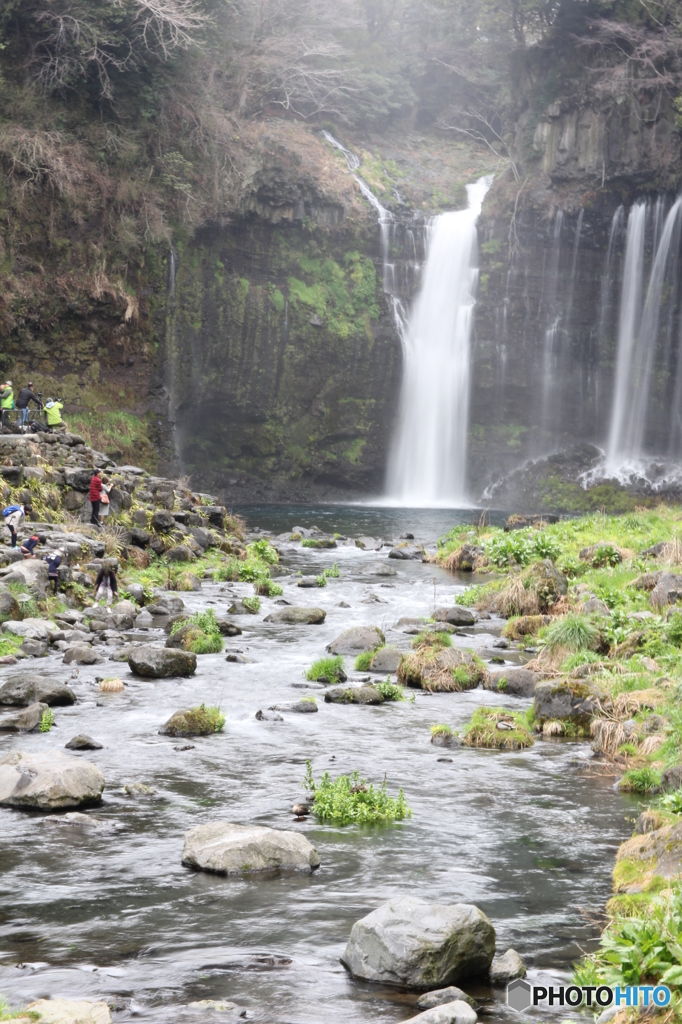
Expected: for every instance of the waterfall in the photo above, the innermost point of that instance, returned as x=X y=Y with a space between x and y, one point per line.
x=427 y=466
x=553 y=320
x=638 y=332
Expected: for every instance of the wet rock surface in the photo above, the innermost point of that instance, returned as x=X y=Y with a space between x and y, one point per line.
x=48 y=781
x=227 y=849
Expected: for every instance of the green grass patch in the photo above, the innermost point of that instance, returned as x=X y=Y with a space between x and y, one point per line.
x=573 y=633
x=348 y=799
x=9 y=644
x=7 y=1014
x=437 y=641
x=363 y=662
x=483 y=730
x=252 y=603
x=441 y=729
x=206 y=644
x=330 y=668
x=640 y=780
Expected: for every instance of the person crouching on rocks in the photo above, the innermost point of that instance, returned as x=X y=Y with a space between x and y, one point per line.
x=105 y=584
x=13 y=515
x=54 y=560
x=28 y=547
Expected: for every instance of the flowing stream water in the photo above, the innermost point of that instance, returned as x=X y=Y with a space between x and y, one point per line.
x=108 y=911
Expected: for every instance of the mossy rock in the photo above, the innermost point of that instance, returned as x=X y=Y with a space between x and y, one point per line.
x=567 y=700
x=645 y=862
x=440 y=670
x=198 y=721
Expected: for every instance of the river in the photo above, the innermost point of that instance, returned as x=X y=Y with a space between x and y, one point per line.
x=109 y=912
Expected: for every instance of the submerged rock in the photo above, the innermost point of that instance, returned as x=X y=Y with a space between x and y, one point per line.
x=161 y=662
x=357 y=640
x=26 y=688
x=301 y=707
x=48 y=781
x=226 y=849
x=420 y=945
x=297 y=616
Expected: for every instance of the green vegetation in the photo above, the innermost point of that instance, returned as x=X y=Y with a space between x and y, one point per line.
x=641 y=780
x=7 y=1014
x=321 y=580
x=332 y=573
x=328 y=668
x=572 y=633
x=440 y=729
x=498 y=729
x=389 y=691
x=46 y=720
x=206 y=719
x=201 y=633
x=363 y=662
x=252 y=603
x=9 y=644
x=348 y=799
x=435 y=640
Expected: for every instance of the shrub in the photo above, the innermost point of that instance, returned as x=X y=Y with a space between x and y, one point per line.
x=268 y=588
x=332 y=573
x=330 y=668
x=671 y=802
x=546 y=547
x=252 y=603
x=321 y=580
x=228 y=572
x=606 y=555
x=46 y=720
x=206 y=638
x=509 y=549
x=574 y=633
x=389 y=690
x=348 y=799
x=263 y=551
x=640 y=780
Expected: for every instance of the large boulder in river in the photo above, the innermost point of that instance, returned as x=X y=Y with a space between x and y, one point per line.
x=297 y=616
x=420 y=945
x=26 y=720
x=387 y=659
x=406 y=552
x=566 y=700
x=24 y=688
x=457 y=615
x=357 y=640
x=69 y=1011
x=161 y=662
x=516 y=682
x=227 y=849
x=48 y=781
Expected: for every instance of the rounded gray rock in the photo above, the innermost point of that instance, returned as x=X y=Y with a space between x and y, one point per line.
x=297 y=616
x=48 y=781
x=161 y=662
x=226 y=849
x=420 y=945
x=357 y=640
x=456 y=1012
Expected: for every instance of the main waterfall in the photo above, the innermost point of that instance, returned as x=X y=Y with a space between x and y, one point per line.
x=427 y=465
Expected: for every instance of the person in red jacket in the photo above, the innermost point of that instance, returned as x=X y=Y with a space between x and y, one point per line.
x=95 y=497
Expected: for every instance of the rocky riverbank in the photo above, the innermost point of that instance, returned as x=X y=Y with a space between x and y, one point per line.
x=202 y=602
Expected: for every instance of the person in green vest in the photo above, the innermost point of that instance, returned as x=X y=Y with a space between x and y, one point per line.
x=53 y=414
x=6 y=401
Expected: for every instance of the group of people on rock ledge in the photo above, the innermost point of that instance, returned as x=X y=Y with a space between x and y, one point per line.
x=52 y=409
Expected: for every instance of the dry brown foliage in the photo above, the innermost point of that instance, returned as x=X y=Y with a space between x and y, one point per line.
x=608 y=735
x=625 y=705
x=515 y=599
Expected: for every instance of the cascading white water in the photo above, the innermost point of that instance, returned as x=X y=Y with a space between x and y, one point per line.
x=427 y=465
x=637 y=335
